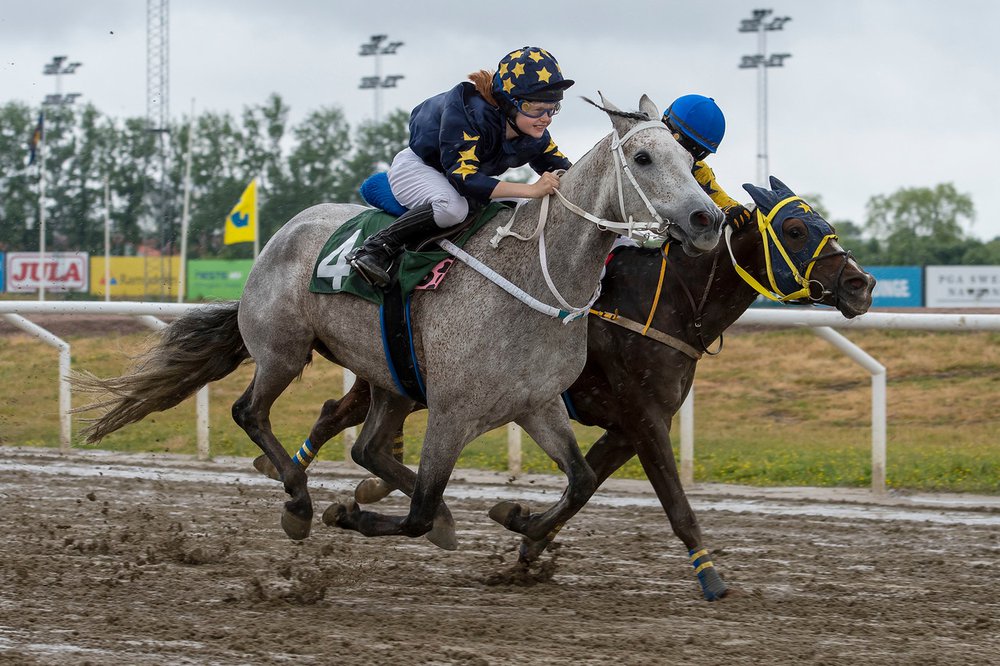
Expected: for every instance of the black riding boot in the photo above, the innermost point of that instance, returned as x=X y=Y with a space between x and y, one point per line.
x=373 y=259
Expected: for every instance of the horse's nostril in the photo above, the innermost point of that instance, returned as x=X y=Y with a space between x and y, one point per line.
x=701 y=219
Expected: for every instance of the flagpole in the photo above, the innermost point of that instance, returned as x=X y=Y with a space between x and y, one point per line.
x=107 y=239
x=41 y=209
x=256 y=219
x=185 y=221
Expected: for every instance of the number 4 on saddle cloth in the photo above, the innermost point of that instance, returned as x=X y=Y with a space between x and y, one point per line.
x=412 y=270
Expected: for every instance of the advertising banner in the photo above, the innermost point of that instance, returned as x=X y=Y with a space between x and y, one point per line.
x=963 y=286
x=137 y=278
x=217 y=278
x=898 y=286
x=63 y=271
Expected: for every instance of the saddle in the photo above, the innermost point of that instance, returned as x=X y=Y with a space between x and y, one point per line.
x=422 y=267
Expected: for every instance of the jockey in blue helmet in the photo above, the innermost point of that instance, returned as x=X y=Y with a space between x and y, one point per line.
x=698 y=125
x=460 y=140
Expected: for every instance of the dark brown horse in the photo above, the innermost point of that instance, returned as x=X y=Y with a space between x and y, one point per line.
x=662 y=309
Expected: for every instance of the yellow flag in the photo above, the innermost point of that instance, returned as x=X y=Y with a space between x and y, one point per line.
x=241 y=225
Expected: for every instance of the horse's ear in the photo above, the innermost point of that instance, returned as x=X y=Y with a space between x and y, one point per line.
x=778 y=186
x=606 y=103
x=649 y=107
x=765 y=199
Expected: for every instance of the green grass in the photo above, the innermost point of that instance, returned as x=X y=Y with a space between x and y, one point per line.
x=776 y=408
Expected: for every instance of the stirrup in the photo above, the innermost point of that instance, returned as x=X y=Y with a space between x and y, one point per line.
x=372 y=271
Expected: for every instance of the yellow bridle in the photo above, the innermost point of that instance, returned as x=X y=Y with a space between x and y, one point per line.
x=768 y=235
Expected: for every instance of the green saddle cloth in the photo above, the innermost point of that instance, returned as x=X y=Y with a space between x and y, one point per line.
x=333 y=275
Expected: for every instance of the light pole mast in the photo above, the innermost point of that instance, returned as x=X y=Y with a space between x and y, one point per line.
x=375 y=48
x=158 y=118
x=56 y=68
x=760 y=61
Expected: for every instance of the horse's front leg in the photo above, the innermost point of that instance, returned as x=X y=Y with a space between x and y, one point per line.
x=550 y=428
x=428 y=514
x=605 y=457
x=657 y=458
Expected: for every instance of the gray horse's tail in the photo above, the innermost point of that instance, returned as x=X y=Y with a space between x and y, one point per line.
x=201 y=346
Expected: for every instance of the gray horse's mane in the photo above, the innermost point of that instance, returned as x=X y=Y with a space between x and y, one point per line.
x=634 y=115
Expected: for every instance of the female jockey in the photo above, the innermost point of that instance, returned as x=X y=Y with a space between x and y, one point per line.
x=698 y=125
x=459 y=141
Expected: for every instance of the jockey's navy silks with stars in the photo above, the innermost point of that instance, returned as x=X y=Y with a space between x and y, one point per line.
x=462 y=135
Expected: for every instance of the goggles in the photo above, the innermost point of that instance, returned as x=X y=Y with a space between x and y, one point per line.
x=698 y=151
x=537 y=109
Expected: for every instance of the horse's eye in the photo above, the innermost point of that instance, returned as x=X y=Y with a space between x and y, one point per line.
x=795 y=232
x=642 y=158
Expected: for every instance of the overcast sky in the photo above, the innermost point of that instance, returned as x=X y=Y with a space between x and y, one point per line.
x=877 y=95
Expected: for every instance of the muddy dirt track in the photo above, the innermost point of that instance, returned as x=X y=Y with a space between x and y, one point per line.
x=113 y=559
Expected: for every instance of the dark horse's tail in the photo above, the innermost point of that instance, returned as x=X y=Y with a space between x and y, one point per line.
x=202 y=346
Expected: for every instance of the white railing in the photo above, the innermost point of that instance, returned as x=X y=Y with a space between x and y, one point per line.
x=822 y=322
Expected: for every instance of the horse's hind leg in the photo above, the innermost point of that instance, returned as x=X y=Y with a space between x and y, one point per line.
x=335 y=416
x=252 y=413
x=550 y=428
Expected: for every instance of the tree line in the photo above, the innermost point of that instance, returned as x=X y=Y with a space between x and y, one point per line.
x=320 y=159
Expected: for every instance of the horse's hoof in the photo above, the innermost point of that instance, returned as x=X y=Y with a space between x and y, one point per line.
x=506 y=513
x=442 y=533
x=263 y=465
x=372 y=490
x=296 y=528
x=333 y=513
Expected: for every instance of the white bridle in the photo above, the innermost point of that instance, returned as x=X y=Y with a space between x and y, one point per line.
x=630 y=228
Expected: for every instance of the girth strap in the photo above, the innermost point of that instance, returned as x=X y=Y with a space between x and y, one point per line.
x=397 y=342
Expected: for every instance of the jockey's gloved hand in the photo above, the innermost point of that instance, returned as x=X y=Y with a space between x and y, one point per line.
x=737 y=215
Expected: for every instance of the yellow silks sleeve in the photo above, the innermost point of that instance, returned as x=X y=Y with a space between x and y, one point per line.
x=241 y=223
x=706 y=178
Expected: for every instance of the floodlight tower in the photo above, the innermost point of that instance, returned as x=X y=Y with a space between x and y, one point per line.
x=760 y=61
x=158 y=113
x=375 y=48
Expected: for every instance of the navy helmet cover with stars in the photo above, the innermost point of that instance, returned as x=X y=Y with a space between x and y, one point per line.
x=529 y=73
x=783 y=203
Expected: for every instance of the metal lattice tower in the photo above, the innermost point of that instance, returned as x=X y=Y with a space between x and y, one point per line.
x=157 y=63
x=158 y=122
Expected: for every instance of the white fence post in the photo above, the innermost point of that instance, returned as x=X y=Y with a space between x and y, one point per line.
x=350 y=434
x=877 y=371
x=65 y=397
x=687 y=439
x=514 y=449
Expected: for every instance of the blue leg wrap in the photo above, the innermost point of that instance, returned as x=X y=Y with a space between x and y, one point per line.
x=305 y=455
x=712 y=585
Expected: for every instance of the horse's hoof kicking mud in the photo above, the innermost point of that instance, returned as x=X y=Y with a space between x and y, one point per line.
x=263 y=465
x=296 y=528
x=507 y=513
x=372 y=490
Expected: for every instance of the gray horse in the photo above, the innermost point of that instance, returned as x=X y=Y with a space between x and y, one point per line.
x=487 y=359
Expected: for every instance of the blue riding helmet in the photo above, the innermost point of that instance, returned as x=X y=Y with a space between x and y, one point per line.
x=697 y=118
x=776 y=205
x=529 y=73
